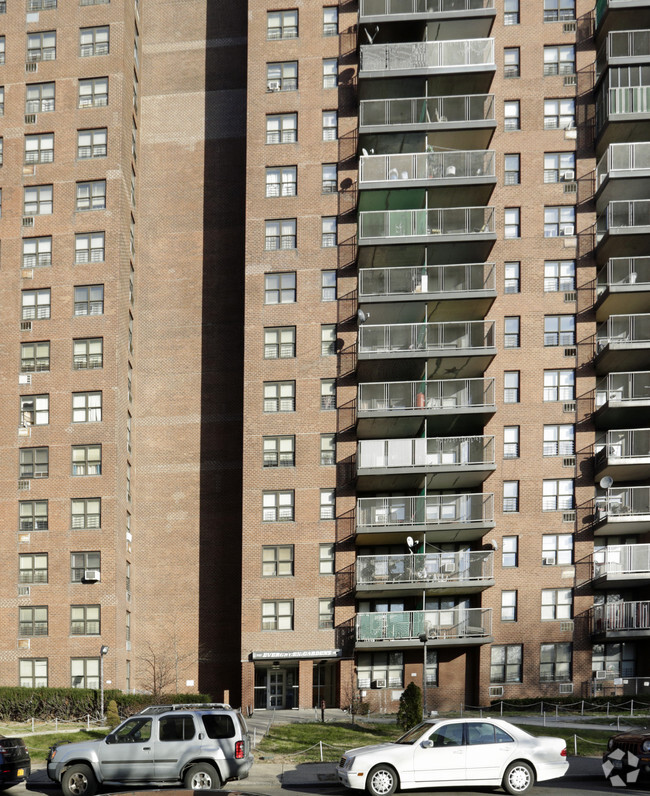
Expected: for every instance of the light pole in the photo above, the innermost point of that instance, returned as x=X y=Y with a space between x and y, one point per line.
x=103 y=650
x=424 y=638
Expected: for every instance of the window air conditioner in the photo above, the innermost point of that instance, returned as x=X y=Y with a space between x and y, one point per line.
x=601 y=674
x=496 y=691
x=28 y=221
x=273 y=85
x=566 y=688
x=567 y=175
x=567 y=230
x=23 y=591
x=25 y=326
x=91 y=575
x=448 y=566
x=548 y=561
x=379 y=684
x=25 y=378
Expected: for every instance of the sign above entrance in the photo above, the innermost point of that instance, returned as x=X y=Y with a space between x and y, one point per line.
x=276 y=656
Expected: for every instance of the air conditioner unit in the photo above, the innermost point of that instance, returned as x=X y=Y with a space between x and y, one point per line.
x=31 y=66
x=570 y=297
x=27 y=273
x=569 y=407
x=448 y=566
x=495 y=691
x=25 y=378
x=91 y=575
x=566 y=688
x=25 y=326
x=569 y=27
x=24 y=431
x=23 y=484
x=379 y=684
x=23 y=591
x=567 y=175
x=567 y=230
x=30 y=118
x=570 y=80
x=28 y=221
x=601 y=674
x=23 y=643
x=569 y=516
x=570 y=187
x=273 y=85
x=548 y=561
x=569 y=461
x=566 y=627
x=570 y=352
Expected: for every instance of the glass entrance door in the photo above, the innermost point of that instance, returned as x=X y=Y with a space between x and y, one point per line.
x=275 y=689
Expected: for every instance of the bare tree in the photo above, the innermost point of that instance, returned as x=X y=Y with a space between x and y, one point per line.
x=165 y=660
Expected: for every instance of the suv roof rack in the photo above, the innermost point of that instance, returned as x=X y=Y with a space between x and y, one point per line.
x=185 y=706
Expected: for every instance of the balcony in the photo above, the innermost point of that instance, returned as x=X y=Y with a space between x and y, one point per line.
x=439 y=10
x=438 y=573
x=627 y=10
x=623 y=286
x=623 y=510
x=405 y=59
x=623 y=399
x=621 y=112
x=435 y=225
x=625 y=455
x=623 y=48
x=445 y=403
x=622 y=343
x=445 y=462
x=453 y=627
x=445 y=518
x=621 y=566
x=624 y=226
x=623 y=173
x=623 y=620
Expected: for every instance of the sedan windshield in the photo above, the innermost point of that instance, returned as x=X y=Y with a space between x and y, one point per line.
x=415 y=733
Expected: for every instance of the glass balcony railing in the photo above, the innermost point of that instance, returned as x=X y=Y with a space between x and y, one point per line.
x=423 y=568
x=424 y=510
x=424 y=112
x=452 y=280
x=624 y=159
x=632 y=329
x=620 y=271
x=380 y=397
x=388 y=8
x=453 y=623
x=423 y=453
x=623 y=387
x=461 y=54
x=621 y=616
x=626 y=445
x=450 y=221
x=449 y=165
x=633 y=559
x=627 y=501
x=447 y=336
x=627 y=44
x=624 y=214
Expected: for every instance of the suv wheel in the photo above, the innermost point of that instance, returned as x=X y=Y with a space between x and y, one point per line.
x=201 y=776
x=79 y=780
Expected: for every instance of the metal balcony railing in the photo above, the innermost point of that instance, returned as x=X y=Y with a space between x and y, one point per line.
x=623 y=329
x=620 y=101
x=455 y=221
x=380 y=397
x=426 y=337
x=425 y=111
x=620 y=616
x=422 y=510
x=624 y=214
x=452 y=280
x=423 y=453
x=627 y=44
x=450 y=165
x=386 y=8
x=411 y=56
x=627 y=501
x=623 y=158
x=454 y=623
x=622 y=560
x=626 y=444
x=424 y=568
x=629 y=387
x=624 y=271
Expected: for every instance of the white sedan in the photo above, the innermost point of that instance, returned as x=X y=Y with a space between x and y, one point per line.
x=473 y=752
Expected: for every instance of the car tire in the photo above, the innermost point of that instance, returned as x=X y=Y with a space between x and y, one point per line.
x=79 y=780
x=202 y=776
x=519 y=778
x=381 y=781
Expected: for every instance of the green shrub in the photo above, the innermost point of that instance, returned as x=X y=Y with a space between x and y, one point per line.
x=410 y=707
x=112 y=716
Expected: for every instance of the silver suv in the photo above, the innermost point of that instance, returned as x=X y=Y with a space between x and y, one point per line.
x=201 y=746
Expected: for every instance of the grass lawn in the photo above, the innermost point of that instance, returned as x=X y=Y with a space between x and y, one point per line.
x=39 y=745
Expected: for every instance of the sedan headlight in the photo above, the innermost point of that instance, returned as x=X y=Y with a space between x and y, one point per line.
x=646 y=745
x=349 y=762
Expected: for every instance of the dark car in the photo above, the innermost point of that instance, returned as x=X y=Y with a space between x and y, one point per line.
x=637 y=744
x=15 y=765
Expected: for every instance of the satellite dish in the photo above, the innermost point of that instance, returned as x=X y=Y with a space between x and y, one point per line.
x=362 y=317
x=409 y=541
x=606 y=481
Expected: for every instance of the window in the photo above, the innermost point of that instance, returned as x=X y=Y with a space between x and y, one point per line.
x=32 y=568
x=39 y=98
x=282 y=24
x=557 y=549
x=559 y=166
x=325 y=613
x=93 y=41
x=510 y=496
x=617 y=659
x=1 y=150
x=512 y=227
x=84 y=673
x=282 y=76
x=506 y=663
x=330 y=72
x=32 y=620
x=559 y=440
x=559 y=330
x=559 y=10
x=281 y=181
x=189 y=726
x=33 y=673
x=557 y=604
x=91 y=195
x=511 y=332
x=279 y=396
x=88 y=353
x=512 y=280
x=385 y=669
x=280 y=342
x=559 y=114
x=86 y=407
x=511 y=442
x=85 y=513
x=328 y=449
x=91 y=143
x=330 y=126
x=277 y=615
x=34 y=410
x=511 y=174
x=282 y=128
x=330 y=21
x=41 y=46
x=39 y=148
x=511 y=115
x=328 y=394
x=511 y=387
x=280 y=234
x=559 y=221
x=93 y=93
x=89 y=300
x=328 y=231
x=557 y=495
x=328 y=285
x=84 y=620
x=34 y=462
x=560 y=60
x=277 y=561
x=277 y=506
x=508 y=606
x=280 y=288
x=279 y=451
x=328 y=340
x=510 y=12
x=511 y=62
x=559 y=385
x=559 y=275
x=329 y=177
x=86 y=460
x=327 y=504
x=38 y=200
x=89 y=248
x=2 y=100
x=510 y=551
x=34 y=357
x=326 y=559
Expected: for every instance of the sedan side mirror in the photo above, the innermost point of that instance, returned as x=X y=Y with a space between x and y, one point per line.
x=427 y=744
